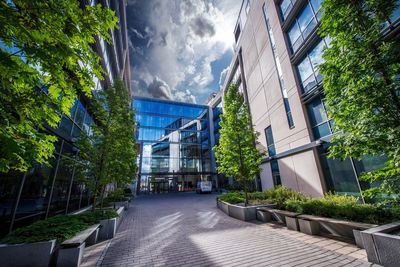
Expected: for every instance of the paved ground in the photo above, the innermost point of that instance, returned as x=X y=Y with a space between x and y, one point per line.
x=187 y=229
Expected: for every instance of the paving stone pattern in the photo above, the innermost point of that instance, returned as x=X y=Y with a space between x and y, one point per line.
x=186 y=229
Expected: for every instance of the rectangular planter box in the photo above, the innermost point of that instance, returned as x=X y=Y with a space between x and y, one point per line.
x=124 y=204
x=292 y=223
x=108 y=228
x=29 y=254
x=346 y=229
x=263 y=215
x=223 y=206
x=309 y=227
x=242 y=213
x=382 y=247
x=70 y=257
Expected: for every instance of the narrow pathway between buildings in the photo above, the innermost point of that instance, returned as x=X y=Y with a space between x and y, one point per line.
x=186 y=229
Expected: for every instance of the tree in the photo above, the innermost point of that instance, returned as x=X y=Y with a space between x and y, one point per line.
x=109 y=154
x=361 y=85
x=46 y=57
x=236 y=152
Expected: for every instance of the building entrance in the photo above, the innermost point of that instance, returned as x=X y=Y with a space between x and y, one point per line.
x=168 y=183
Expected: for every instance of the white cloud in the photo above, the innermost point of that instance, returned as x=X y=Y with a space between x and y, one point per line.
x=181 y=39
x=222 y=77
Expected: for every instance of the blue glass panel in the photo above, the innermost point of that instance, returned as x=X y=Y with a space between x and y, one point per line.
x=316 y=112
x=268 y=135
x=316 y=56
x=321 y=130
x=271 y=150
x=274 y=166
x=306 y=16
x=285 y=6
x=396 y=14
x=80 y=113
x=158 y=107
x=295 y=36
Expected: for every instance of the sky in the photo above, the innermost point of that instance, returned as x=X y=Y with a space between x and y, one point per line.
x=180 y=49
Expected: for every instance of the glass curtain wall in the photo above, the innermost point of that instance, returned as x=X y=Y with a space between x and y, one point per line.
x=174 y=141
x=45 y=191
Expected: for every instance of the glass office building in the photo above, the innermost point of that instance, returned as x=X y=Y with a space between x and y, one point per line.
x=45 y=191
x=174 y=141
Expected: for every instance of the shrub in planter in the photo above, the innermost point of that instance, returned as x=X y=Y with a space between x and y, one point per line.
x=232 y=198
x=60 y=227
x=343 y=207
x=280 y=194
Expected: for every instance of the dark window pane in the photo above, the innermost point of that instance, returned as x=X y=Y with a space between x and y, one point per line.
x=271 y=150
x=61 y=186
x=35 y=195
x=340 y=175
x=65 y=126
x=80 y=114
x=316 y=112
x=9 y=185
x=268 y=135
x=321 y=130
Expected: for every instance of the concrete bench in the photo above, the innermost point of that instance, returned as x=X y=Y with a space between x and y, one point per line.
x=282 y=216
x=71 y=251
x=314 y=224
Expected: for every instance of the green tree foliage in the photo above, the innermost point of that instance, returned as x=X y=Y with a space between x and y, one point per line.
x=44 y=43
x=109 y=155
x=236 y=153
x=361 y=84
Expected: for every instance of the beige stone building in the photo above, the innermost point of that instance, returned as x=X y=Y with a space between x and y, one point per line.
x=276 y=59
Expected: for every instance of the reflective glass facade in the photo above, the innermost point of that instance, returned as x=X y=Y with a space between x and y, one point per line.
x=174 y=140
x=58 y=188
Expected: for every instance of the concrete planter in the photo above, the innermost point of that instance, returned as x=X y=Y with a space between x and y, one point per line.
x=263 y=215
x=108 y=228
x=121 y=213
x=124 y=204
x=346 y=229
x=70 y=257
x=381 y=246
x=223 y=206
x=292 y=223
x=29 y=254
x=242 y=213
x=309 y=227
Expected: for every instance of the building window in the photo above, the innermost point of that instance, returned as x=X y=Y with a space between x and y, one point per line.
x=279 y=70
x=396 y=13
x=304 y=24
x=272 y=152
x=320 y=123
x=237 y=33
x=308 y=67
x=285 y=7
x=270 y=141
x=339 y=175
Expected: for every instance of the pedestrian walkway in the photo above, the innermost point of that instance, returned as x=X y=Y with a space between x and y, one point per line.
x=186 y=229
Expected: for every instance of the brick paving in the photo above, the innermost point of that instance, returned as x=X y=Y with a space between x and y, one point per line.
x=187 y=229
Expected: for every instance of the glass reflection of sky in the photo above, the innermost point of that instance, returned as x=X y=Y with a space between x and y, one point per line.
x=174 y=136
x=165 y=108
